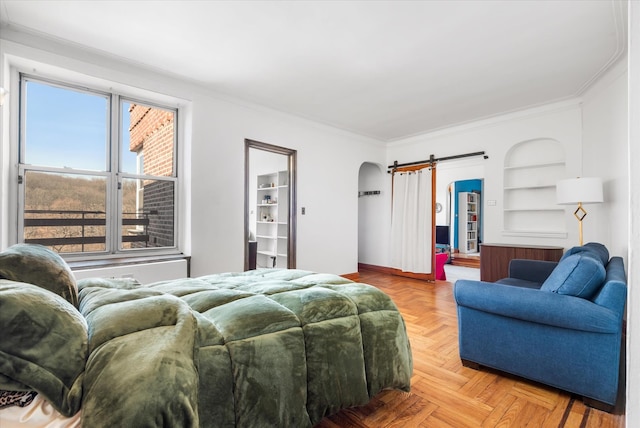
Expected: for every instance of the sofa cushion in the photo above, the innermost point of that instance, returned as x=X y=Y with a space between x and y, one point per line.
x=591 y=248
x=579 y=275
x=517 y=282
x=38 y=265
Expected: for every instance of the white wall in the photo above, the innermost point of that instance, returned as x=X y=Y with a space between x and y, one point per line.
x=560 y=121
x=633 y=270
x=212 y=162
x=593 y=132
x=328 y=162
x=611 y=152
x=605 y=150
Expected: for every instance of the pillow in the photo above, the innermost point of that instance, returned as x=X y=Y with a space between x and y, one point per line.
x=594 y=249
x=44 y=345
x=578 y=275
x=38 y=265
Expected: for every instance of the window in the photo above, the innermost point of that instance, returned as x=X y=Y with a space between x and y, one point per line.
x=96 y=170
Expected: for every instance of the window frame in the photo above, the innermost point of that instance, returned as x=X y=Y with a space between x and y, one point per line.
x=113 y=169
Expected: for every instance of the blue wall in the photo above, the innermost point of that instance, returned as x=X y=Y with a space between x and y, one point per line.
x=466 y=186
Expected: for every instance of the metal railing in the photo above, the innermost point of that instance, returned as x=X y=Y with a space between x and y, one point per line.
x=82 y=220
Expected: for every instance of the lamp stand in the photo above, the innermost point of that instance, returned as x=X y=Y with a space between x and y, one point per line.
x=580 y=213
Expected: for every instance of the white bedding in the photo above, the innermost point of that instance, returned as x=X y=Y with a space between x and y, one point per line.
x=38 y=414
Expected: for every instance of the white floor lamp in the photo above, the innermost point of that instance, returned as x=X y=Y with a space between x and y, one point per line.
x=585 y=190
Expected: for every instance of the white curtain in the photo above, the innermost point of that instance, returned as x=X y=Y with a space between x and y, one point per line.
x=411 y=223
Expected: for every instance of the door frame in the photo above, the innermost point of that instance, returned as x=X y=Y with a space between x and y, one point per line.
x=292 y=156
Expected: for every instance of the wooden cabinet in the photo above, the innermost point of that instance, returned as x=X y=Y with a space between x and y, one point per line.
x=495 y=258
x=271 y=221
x=468 y=217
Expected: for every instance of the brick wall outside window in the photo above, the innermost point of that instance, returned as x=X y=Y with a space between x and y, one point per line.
x=152 y=132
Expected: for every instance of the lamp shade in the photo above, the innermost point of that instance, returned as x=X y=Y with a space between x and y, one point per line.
x=586 y=190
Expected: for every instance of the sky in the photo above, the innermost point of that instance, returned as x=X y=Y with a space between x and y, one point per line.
x=68 y=129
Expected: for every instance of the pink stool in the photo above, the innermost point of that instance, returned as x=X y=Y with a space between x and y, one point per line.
x=441 y=259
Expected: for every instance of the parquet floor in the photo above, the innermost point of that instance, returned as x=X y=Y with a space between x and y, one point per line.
x=446 y=394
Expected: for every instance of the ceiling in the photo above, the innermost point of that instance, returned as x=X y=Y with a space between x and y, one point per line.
x=383 y=69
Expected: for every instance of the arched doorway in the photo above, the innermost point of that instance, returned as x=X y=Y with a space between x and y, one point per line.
x=372 y=214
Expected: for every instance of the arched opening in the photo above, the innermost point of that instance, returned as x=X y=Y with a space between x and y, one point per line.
x=371 y=214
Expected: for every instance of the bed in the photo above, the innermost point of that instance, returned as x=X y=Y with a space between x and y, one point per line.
x=259 y=348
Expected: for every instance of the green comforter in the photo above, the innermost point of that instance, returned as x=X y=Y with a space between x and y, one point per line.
x=261 y=348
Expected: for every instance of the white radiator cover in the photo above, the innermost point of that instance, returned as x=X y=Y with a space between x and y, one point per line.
x=145 y=273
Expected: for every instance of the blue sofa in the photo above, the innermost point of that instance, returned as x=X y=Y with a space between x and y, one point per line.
x=560 y=324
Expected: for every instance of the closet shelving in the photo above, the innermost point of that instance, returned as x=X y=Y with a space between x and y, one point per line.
x=468 y=217
x=271 y=220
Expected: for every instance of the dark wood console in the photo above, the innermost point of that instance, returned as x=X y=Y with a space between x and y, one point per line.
x=495 y=258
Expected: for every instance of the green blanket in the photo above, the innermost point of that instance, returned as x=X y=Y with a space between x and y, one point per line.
x=260 y=348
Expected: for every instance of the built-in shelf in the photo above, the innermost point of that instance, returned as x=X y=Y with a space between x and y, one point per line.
x=272 y=234
x=531 y=170
x=267 y=253
x=535 y=165
x=525 y=209
x=468 y=218
x=537 y=186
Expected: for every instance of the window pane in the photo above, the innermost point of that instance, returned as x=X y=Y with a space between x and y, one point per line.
x=147 y=213
x=147 y=133
x=65 y=212
x=65 y=133
x=65 y=128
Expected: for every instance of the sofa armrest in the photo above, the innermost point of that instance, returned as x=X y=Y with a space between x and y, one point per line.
x=531 y=270
x=613 y=293
x=536 y=306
